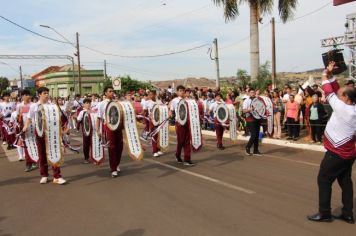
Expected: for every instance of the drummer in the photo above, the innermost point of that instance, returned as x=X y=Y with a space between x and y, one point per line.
x=219 y=128
x=147 y=109
x=86 y=138
x=253 y=124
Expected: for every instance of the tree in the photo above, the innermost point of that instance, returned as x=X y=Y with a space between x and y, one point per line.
x=243 y=78
x=128 y=84
x=257 y=7
x=263 y=77
x=4 y=84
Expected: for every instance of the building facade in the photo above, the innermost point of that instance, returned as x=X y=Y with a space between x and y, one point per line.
x=63 y=81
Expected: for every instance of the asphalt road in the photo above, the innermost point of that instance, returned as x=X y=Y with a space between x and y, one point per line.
x=226 y=193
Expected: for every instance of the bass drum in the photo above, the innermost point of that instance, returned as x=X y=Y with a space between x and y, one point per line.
x=258 y=108
x=222 y=113
x=86 y=124
x=155 y=115
x=182 y=112
x=39 y=121
x=113 y=115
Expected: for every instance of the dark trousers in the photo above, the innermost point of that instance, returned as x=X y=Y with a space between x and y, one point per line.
x=183 y=138
x=219 y=129
x=154 y=140
x=42 y=161
x=292 y=127
x=86 y=146
x=316 y=130
x=334 y=167
x=254 y=127
x=115 y=147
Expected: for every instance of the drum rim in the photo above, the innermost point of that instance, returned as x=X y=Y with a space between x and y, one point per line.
x=184 y=121
x=222 y=105
x=108 y=106
x=40 y=132
x=154 y=108
x=86 y=132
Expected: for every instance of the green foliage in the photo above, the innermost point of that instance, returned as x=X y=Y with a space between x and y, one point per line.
x=4 y=84
x=243 y=78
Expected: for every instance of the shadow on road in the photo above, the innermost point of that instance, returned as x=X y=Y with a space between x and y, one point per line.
x=1 y=230
x=337 y=211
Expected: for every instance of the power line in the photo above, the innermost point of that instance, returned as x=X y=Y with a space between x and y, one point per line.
x=147 y=56
x=31 y=31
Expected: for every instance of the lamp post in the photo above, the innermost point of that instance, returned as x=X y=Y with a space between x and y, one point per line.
x=77 y=54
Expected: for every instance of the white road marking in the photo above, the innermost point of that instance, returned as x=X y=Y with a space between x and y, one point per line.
x=207 y=178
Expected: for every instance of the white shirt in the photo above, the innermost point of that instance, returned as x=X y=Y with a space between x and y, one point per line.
x=149 y=105
x=213 y=107
x=94 y=106
x=81 y=114
x=143 y=101
x=7 y=109
x=247 y=105
x=33 y=109
x=174 y=104
x=101 y=108
x=286 y=97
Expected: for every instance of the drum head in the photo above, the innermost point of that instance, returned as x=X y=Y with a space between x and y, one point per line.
x=182 y=115
x=39 y=120
x=86 y=124
x=112 y=116
x=259 y=108
x=222 y=114
x=155 y=115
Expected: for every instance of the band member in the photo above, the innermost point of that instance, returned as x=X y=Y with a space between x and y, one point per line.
x=340 y=148
x=115 y=138
x=146 y=130
x=150 y=102
x=252 y=123
x=22 y=111
x=219 y=128
x=8 y=108
x=86 y=139
x=182 y=131
x=94 y=103
x=41 y=143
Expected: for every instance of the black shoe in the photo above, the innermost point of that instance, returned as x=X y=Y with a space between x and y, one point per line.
x=347 y=219
x=8 y=147
x=188 y=163
x=295 y=139
x=179 y=160
x=248 y=153
x=221 y=148
x=289 y=138
x=257 y=153
x=86 y=162
x=33 y=166
x=318 y=217
x=28 y=168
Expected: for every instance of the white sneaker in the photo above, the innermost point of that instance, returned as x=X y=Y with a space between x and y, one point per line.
x=59 y=181
x=4 y=143
x=114 y=174
x=118 y=169
x=21 y=159
x=160 y=153
x=43 y=180
x=156 y=154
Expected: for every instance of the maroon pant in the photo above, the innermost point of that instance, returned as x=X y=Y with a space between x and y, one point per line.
x=183 y=138
x=115 y=147
x=155 y=140
x=10 y=138
x=219 y=129
x=86 y=146
x=43 y=164
x=29 y=161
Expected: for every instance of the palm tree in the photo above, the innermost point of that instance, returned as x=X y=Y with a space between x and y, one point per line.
x=257 y=7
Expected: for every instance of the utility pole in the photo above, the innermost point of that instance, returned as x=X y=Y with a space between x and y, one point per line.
x=105 y=70
x=21 y=79
x=217 y=64
x=274 y=75
x=79 y=72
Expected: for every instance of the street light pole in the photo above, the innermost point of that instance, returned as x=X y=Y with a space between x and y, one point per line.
x=79 y=70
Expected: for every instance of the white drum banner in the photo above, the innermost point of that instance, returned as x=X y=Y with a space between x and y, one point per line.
x=194 y=123
x=233 y=122
x=132 y=135
x=30 y=142
x=269 y=113
x=97 y=150
x=53 y=135
x=164 y=132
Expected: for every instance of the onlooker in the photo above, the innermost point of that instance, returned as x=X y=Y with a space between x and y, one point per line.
x=291 y=117
x=277 y=111
x=317 y=116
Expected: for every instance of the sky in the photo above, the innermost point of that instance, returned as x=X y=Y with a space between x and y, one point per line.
x=151 y=27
